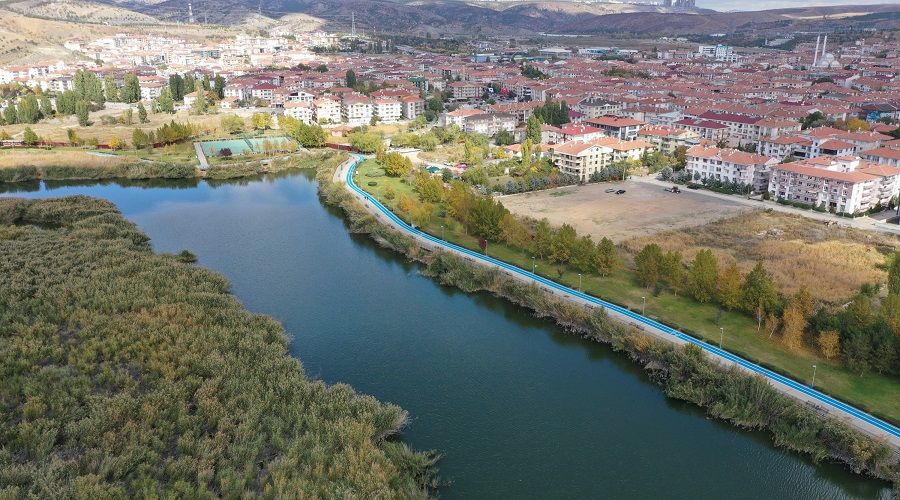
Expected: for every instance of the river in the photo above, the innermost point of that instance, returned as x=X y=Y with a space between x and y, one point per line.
x=517 y=408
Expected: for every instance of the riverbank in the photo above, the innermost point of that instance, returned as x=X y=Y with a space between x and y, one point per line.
x=108 y=166
x=726 y=393
x=129 y=371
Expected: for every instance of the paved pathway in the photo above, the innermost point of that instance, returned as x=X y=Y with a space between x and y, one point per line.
x=819 y=401
x=201 y=156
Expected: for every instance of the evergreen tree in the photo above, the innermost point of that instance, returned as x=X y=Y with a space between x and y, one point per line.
x=142 y=112
x=176 y=88
x=533 y=129
x=350 y=79
x=672 y=271
x=29 y=137
x=543 y=238
x=583 y=254
x=704 y=276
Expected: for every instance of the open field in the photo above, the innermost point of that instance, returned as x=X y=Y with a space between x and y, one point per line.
x=833 y=262
x=873 y=392
x=642 y=210
x=59 y=157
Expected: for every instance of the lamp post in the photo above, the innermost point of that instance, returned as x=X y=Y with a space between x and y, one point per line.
x=442 y=233
x=721 y=336
x=813 y=383
x=533 y=266
x=643 y=305
x=579 y=281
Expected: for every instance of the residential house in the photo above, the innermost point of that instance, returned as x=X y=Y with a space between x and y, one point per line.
x=730 y=165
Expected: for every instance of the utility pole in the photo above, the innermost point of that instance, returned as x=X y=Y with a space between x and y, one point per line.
x=813 y=383
x=190 y=13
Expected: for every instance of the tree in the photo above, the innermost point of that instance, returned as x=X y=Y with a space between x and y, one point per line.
x=486 y=217
x=166 y=102
x=350 y=79
x=201 y=105
x=504 y=138
x=793 y=324
x=703 y=276
x=894 y=275
x=814 y=119
x=890 y=313
x=583 y=254
x=219 y=86
x=115 y=143
x=233 y=124
x=829 y=342
x=648 y=264
x=397 y=165
x=533 y=129
x=672 y=271
x=46 y=107
x=29 y=110
x=81 y=111
x=176 y=87
x=605 y=258
x=29 y=137
x=140 y=139
x=11 y=115
x=110 y=88
x=73 y=138
x=260 y=121
x=729 y=289
x=430 y=188
x=142 y=113
x=366 y=142
x=543 y=238
x=65 y=103
x=758 y=295
x=563 y=244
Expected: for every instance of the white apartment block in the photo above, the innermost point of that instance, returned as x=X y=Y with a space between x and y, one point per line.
x=357 y=110
x=730 y=165
x=843 y=185
x=327 y=111
x=302 y=111
x=581 y=159
x=388 y=110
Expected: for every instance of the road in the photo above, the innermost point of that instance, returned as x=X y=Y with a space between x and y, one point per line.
x=820 y=401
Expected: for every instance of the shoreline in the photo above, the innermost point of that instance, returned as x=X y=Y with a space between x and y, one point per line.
x=828 y=437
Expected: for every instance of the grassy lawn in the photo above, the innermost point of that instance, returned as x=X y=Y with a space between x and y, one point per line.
x=874 y=393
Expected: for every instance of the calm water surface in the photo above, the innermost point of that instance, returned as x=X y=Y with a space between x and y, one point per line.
x=517 y=408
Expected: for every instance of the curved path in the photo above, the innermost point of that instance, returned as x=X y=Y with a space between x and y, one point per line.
x=857 y=418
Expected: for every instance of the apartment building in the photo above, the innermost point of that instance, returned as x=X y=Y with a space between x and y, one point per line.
x=742 y=129
x=356 y=109
x=667 y=139
x=706 y=129
x=490 y=123
x=388 y=110
x=462 y=91
x=730 y=165
x=581 y=159
x=326 y=110
x=595 y=107
x=843 y=185
x=413 y=106
x=302 y=111
x=625 y=129
x=888 y=155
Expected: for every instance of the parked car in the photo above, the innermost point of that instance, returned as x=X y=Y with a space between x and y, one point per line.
x=621 y=191
x=673 y=189
x=611 y=190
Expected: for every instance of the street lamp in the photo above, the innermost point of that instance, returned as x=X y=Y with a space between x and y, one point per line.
x=813 y=383
x=533 y=266
x=442 y=233
x=721 y=336
x=579 y=281
x=643 y=305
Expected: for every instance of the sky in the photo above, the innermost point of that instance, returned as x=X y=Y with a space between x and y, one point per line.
x=727 y=5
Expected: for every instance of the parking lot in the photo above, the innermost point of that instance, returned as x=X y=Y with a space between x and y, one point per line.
x=643 y=208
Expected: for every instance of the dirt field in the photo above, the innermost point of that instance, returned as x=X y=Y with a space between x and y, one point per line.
x=642 y=210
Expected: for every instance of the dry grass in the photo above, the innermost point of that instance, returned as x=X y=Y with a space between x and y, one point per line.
x=833 y=262
x=453 y=153
x=54 y=158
